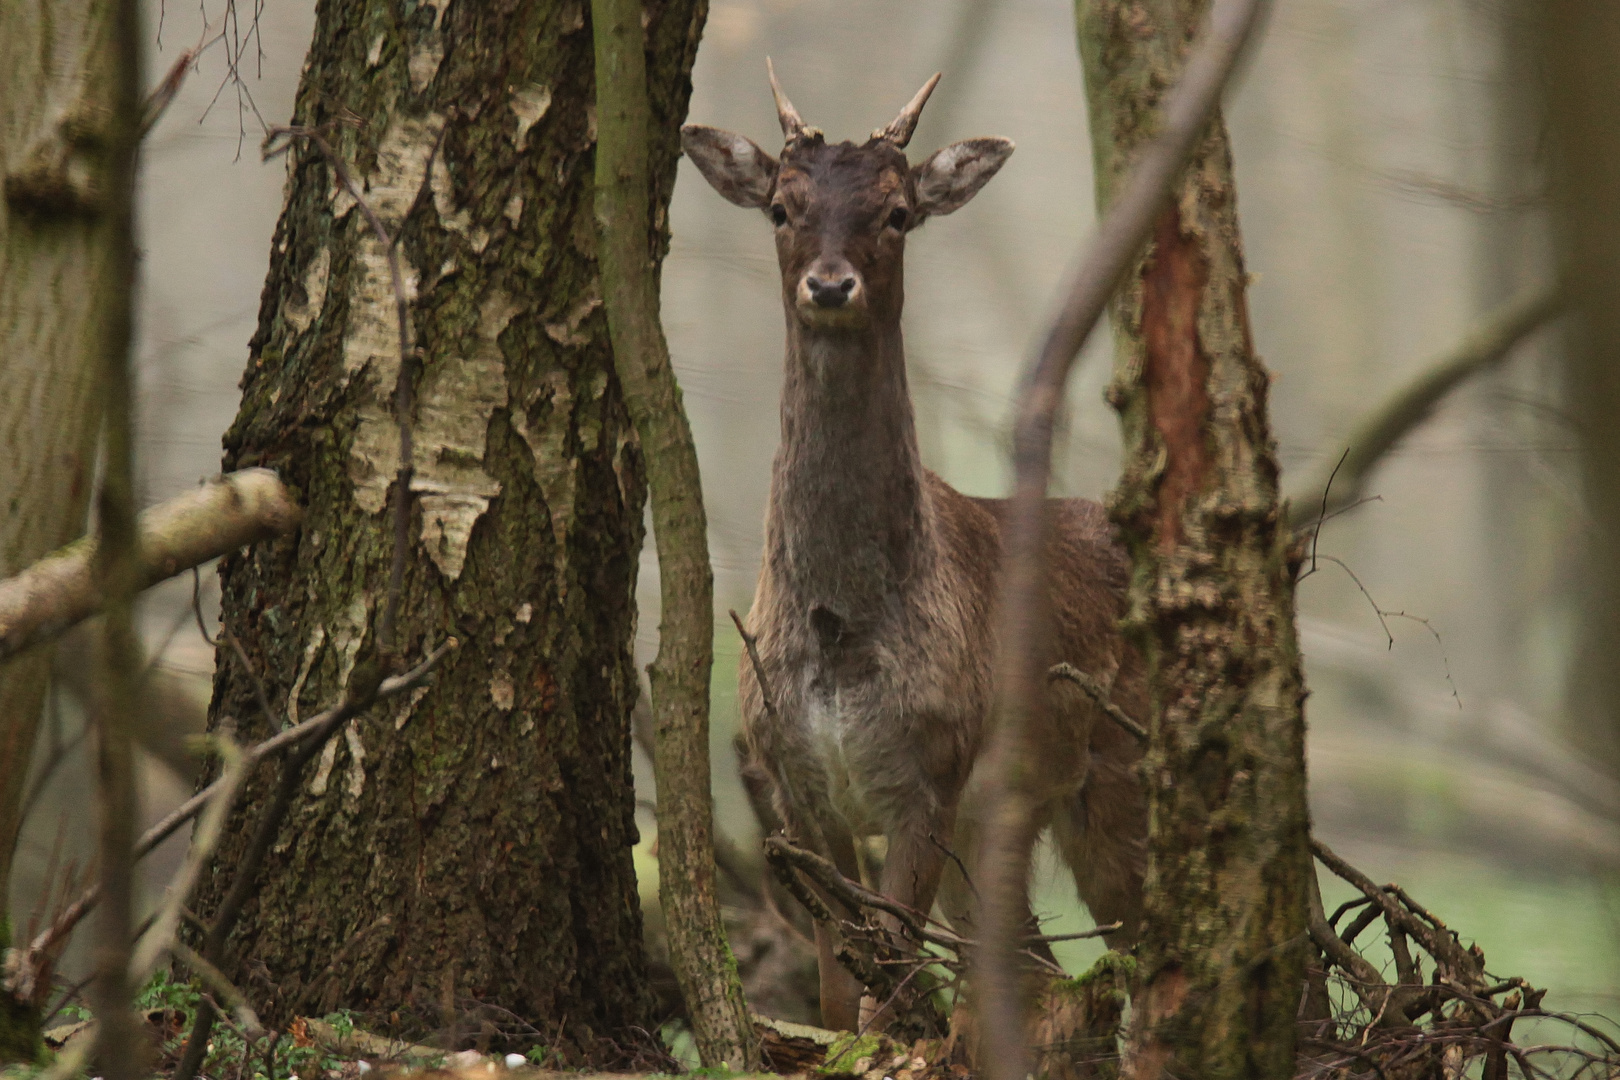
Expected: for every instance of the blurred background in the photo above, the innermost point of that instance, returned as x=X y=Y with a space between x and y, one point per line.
x=1392 y=187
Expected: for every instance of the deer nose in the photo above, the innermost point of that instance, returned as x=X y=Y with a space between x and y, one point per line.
x=830 y=292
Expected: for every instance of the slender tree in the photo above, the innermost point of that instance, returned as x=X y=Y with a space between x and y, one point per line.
x=62 y=281
x=1211 y=595
x=1577 y=40
x=464 y=855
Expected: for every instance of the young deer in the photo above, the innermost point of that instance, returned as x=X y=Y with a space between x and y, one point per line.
x=874 y=608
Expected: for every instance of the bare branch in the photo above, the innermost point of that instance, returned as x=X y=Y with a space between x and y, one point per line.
x=188 y=530
x=1486 y=346
x=318 y=726
x=1020 y=679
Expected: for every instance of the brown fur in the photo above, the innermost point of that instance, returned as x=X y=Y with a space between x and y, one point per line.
x=874 y=607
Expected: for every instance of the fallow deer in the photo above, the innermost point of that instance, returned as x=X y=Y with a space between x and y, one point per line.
x=873 y=612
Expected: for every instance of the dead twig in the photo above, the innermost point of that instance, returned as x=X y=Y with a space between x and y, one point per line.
x=1094 y=690
x=319 y=726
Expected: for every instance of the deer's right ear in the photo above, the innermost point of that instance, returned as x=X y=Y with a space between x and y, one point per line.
x=732 y=165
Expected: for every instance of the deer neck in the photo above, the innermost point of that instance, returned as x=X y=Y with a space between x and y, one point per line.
x=847 y=527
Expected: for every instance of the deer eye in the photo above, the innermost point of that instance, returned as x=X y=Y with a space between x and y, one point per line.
x=898 y=218
x=778 y=215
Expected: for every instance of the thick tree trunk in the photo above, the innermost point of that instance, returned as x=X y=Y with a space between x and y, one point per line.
x=56 y=252
x=1578 y=39
x=490 y=818
x=1211 y=598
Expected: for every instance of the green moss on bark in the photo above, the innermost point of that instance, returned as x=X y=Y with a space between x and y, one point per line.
x=1211 y=598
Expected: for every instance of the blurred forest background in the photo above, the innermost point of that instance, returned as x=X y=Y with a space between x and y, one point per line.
x=1392 y=185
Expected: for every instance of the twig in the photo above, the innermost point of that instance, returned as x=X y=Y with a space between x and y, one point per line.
x=1093 y=689
x=318 y=726
x=303 y=999
x=1321 y=517
x=817 y=837
x=196 y=606
x=1485 y=347
x=215 y=980
x=161 y=96
x=1019 y=674
x=210 y=828
x=58 y=591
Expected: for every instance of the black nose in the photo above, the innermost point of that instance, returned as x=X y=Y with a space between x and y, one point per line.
x=830 y=293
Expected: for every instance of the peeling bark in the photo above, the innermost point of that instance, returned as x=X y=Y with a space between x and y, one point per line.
x=489 y=817
x=1211 y=598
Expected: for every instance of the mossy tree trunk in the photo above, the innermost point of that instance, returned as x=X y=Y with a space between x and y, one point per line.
x=1211 y=595
x=58 y=253
x=474 y=837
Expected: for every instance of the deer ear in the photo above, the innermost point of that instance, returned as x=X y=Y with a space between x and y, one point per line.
x=946 y=181
x=732 y=165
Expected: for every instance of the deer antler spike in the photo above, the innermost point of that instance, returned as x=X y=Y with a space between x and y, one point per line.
x=793 y=124
x=900 y=129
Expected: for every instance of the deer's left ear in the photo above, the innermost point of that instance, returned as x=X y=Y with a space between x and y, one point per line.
x=946 y=181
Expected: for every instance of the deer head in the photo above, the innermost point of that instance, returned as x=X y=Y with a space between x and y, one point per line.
x=841 y=211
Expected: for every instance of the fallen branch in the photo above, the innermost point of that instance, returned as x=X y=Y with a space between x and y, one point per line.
x=1486 y=346
x=226 y=513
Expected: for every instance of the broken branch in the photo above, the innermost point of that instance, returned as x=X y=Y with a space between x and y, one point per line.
x=188 y=530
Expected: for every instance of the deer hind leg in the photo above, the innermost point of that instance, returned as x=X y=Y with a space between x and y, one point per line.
x=1102 y=843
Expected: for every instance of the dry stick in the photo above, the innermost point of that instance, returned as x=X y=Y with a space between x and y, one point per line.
x=1491 y=342
x=210 y=829
x=1094 y=690
x=702 y=959
x=1020 y=684
x=51 y=596
x=319 y=726
x=768 y=699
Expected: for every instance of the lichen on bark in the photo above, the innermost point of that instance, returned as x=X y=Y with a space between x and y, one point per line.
x=1211 y=598
x=491 y=817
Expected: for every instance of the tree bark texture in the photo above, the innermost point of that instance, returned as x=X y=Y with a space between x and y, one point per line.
x=58 y=252
x=489 y=817
x=1578 y=39
x=699 y=952
x=1211 y=597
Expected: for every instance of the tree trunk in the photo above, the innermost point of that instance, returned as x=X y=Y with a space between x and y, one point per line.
x=1578 y=39
x=1211 y=596
x=55 y=252
x=489 y=818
